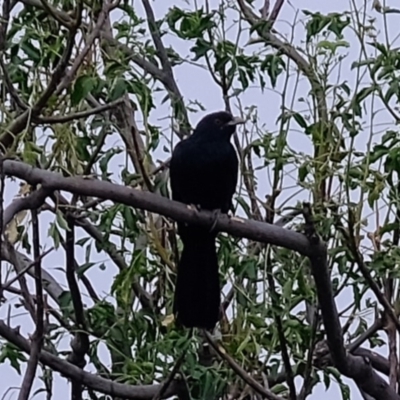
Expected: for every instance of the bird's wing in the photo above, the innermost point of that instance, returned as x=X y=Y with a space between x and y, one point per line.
x=178 y=169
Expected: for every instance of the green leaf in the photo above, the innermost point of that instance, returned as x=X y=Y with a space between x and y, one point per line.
x=332 y=46
x=31 y=51
x=13 y=355
x=83 y=268
x=118 y=89
x=82 y=87
x=300 y=120
x=201 y=48
x=316 y=24
x=303 y=171
x=338 y=24
x=274 y=65
x=62 y=223
x=54 y=234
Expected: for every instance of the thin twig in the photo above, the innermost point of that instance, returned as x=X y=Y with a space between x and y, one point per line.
x=239 y=370
x=59 y=119
x=166 y=65
x=8 y=283
x=10 y=87
x=170 y=377
x=59 y=73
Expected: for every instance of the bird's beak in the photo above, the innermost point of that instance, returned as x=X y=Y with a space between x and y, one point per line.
x=235 y=121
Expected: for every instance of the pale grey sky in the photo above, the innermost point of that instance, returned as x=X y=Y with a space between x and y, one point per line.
x=196 y=84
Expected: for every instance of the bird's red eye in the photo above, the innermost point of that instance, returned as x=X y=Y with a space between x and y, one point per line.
x=218 y=122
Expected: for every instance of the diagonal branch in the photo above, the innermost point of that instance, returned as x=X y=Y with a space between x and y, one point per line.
x=60 y=119
x=240 y=371
x=10 y=87
x=22 y=263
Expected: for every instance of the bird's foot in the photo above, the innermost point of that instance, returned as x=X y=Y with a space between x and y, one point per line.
x=196 y=207
x=216 y=214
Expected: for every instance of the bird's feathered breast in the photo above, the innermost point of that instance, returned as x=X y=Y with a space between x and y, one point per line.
x=204 y=173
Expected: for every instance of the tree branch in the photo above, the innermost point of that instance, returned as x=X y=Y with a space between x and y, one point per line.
x=37 y=339
x=357 y=368
x=80 y=342
x=33 y=201
x=254 y=230
x=240 y=371
x=115 y=389
x=21 y=263
x=60 y=119
x=166 y=65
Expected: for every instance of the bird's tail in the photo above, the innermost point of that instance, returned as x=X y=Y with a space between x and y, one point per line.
x=197 y=291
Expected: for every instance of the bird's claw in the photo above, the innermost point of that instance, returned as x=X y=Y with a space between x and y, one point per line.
x=196 y=207
x=216 y=214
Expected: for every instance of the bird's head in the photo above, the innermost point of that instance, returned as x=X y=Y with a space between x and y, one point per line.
x=218 y=124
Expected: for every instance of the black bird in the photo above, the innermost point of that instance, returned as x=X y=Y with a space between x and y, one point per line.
x=203 y=173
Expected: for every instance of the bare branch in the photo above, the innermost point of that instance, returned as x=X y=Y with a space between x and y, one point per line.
x=254 y=230
x=265 y=9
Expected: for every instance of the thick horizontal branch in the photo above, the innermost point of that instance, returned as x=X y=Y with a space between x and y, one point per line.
x=114 y=389
x=253 y=230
